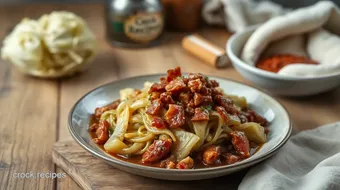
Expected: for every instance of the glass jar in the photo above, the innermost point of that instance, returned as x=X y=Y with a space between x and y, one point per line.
x=134 y=23
x=183 y=15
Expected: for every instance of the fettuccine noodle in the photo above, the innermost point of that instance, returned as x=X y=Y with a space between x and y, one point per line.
x=140 y=124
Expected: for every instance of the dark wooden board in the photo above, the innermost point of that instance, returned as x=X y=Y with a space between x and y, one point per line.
x=93 y=173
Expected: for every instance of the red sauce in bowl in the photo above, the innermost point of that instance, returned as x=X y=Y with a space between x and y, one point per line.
x=276 y=62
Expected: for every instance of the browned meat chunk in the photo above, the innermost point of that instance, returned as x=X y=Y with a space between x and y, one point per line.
x=240 y=143
x=252 y=116
x=185 y=97
x=195 y=85
x=157 y=87
x=166 y=98
x=194 y=76
x=171 y=165
x=158 y=123
x=175 y=85
x=206 y=91
x=102 y=132
x=226 y=103
x=155 y=95
x=154 y=108
x=216 y=92
x=186 y=163
x=173 y=73
x=99 y=111
x=223 y=113
x=185 y=80
x=214 y=83
x=93 y=127
x=168 y=163
x=158 y=150
x=211 y=155
x=189 y=111
x=200 y=115
x=175 y=116
x=201 y=100
x=231 y=159
x=191 y=103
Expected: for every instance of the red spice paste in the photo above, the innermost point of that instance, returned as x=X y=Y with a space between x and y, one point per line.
x=276 y=62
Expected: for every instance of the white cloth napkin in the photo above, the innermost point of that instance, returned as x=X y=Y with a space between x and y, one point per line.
x=312 y=31
x=322 y=45
x=236 y=15
x=310 y=160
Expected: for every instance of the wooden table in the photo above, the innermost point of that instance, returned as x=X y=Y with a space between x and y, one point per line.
x=33 y=112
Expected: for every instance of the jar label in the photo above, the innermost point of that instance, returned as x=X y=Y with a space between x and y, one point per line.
x=144 y=27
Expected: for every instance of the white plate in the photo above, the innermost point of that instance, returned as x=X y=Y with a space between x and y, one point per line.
x=280 y=128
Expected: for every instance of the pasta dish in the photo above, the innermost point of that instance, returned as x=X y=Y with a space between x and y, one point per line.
x=181 y=122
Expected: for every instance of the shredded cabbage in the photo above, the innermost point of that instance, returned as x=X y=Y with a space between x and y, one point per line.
x=55 y=45
x=186 y=141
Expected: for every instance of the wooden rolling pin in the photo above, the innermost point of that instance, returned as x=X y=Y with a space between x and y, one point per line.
x=206 y=51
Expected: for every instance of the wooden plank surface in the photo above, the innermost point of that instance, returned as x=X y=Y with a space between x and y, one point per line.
x=103 y=70
x=28 y=115
x=92 y=173
x=34 y=112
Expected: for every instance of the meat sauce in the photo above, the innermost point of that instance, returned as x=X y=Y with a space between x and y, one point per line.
x=186 y=99
x=197 y=157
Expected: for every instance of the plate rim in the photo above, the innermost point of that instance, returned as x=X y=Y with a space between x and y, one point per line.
x=111 y=160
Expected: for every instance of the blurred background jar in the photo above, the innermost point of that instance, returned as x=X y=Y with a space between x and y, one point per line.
x=134 y=23
x=183 y=15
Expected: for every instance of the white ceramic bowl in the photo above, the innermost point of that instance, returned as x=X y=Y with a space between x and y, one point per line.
x=280 y=128
x=272 y=82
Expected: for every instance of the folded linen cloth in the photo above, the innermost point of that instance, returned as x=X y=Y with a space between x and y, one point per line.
x=236 y=15
x=311 y=31
x=309 y=160
x=322 y=46
x=320 y=43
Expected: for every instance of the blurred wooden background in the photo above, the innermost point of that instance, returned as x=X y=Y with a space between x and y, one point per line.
x=33 y=112
x=285 y=3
